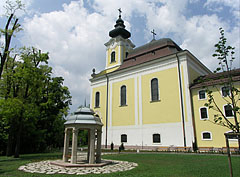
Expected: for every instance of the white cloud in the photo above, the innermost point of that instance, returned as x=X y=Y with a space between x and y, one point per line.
x=218 y=5
x=75 y=40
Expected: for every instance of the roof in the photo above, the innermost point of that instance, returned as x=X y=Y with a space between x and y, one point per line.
x=119 y=29
x=150 y=51
x=85 y=116
x=215 y=78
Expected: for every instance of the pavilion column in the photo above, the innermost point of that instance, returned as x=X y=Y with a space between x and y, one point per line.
x=88 y=153
x=92 y=147
x=74 y=145
x=99 y=138
x=66 y=145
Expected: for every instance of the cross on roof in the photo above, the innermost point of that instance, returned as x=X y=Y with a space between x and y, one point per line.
x=154 y=34
x=120 y=11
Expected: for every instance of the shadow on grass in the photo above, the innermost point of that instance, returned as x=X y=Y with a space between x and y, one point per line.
x=30 y=157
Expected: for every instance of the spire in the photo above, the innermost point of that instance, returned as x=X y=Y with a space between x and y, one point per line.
x=119 y=28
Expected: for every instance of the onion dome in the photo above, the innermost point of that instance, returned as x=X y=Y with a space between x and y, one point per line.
x=119 y=29
x=84 y=116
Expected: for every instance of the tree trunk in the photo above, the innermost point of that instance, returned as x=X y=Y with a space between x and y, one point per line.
x=18 y=141
x=10 y=142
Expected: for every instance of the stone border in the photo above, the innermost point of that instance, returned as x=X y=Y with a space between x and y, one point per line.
x=45 y=167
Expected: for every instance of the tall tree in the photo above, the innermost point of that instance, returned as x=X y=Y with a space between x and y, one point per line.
x=31 y=96
x=12 y=26
x=225 y=57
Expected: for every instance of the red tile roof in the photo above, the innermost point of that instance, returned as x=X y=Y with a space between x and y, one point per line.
x=150 y=51
x=215 y=78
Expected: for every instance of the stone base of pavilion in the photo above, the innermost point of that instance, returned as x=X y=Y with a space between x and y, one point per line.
x=82 y=163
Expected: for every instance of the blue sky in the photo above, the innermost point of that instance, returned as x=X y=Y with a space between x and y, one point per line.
x=74 y=32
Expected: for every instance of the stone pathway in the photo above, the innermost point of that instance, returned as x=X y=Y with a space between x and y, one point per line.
x=47 y=168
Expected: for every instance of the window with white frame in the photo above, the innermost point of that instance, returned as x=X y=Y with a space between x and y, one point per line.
x=154 y=90
x=203 y=113
x=202 y=94
x=97 y=99
x=123 y=138
x=123 y=96
x=228 y=110
x=225 y=91
x=156 y=138
x=206 y=135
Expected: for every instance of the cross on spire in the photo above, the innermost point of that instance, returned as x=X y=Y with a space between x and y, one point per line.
x=120 y=11
x=154 y=34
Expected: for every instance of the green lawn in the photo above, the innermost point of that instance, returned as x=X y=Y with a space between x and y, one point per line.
x=161 y=164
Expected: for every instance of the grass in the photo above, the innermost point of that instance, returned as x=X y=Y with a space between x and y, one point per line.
x=149 y=164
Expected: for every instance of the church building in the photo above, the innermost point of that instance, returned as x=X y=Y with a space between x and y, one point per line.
x=143 y=95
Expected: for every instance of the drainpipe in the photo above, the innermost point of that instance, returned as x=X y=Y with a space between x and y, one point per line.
x=195 y=146
x=106 y=112
x=181 y=97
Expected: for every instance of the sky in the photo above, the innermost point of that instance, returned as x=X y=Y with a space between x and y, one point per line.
x=74 y=31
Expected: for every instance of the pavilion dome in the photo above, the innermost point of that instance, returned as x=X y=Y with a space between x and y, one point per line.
x=84 y=116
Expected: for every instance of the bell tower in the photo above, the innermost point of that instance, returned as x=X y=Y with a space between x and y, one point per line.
x=118 y=47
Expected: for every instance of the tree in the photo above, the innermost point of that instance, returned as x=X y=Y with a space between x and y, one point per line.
x=225 y=57
x=32 y=100
x=12 y=26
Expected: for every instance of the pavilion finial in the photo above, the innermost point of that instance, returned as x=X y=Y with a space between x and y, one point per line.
x=154 y=34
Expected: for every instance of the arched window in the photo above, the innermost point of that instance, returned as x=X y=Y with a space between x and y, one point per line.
x=228 y=111
x=97 y=99
x=156 y=138
x=123 y=138
x=206 y=136
x=203 y=113
x=154 y=89
x=113 y=57
x=123 y=96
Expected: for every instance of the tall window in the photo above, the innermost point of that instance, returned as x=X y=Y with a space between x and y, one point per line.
x=225 y=91
x=154 y=89
x=206 y=135
x=113 y=57
x=202 y=94
x=126 y=54
x=123 y=96
x=123 y=138
x=203 y=113
x=228 y=111
x=156 y=138
x=97 y=99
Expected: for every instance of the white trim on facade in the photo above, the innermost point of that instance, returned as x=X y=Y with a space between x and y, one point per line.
x=140 y=100
x=169 y=134
x=91 y=94
x=110 y=104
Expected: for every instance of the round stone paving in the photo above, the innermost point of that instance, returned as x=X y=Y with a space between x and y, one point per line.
x=47 y=168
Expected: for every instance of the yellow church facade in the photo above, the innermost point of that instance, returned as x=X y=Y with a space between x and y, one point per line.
x=143 y=95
